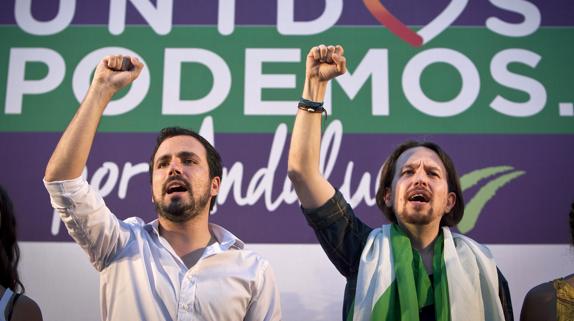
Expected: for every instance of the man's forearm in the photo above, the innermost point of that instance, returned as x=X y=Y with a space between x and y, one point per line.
x=70 y=156
x=314 y=89
x=322 y=64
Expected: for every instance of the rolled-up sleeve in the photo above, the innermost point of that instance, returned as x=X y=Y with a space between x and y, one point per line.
x=87 y=219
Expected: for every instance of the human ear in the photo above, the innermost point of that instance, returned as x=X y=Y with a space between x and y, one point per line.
x=388 y=197
x=450 y=202
x=215 y=185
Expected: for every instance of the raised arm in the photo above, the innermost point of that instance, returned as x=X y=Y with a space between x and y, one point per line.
x=69 y=158
x=323 y=64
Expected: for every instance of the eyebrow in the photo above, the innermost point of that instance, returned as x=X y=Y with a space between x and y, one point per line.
x=186 y=154
x=162 y=158
x=435 y=168
x=183 y=154
x=427 y=167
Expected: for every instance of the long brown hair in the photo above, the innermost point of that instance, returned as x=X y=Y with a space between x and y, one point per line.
x=388 y=173
x=9 y=251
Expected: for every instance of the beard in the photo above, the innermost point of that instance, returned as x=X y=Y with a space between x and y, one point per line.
x=178 y=210
x=419 y=218
x=416 y=216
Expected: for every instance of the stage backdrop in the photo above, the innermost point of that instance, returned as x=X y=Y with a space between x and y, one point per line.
x=490 y=81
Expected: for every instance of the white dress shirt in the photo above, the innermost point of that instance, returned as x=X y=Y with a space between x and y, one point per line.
x=142 y=278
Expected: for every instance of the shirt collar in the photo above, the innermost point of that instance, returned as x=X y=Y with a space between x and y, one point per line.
x=225 y=239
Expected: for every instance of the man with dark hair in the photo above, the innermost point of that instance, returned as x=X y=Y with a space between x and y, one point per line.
x=414 y=268
x=212 y=157
x=178 y=267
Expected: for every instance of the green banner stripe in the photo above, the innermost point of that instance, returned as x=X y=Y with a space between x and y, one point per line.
x=52 y=111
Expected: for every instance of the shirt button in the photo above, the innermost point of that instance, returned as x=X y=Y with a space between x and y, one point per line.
x=185 y=307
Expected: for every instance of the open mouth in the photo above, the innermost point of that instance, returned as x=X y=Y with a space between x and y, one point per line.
x=419 y=196
x=175 y=187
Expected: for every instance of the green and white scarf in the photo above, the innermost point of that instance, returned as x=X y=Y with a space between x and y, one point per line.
x=393 y=284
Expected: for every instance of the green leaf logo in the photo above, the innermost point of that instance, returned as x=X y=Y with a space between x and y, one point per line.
x=486 y=193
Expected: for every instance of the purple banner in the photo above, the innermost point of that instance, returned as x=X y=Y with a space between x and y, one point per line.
x=531 y=208
x=264 y=12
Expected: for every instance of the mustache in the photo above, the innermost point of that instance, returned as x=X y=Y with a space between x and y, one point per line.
x=177 y=178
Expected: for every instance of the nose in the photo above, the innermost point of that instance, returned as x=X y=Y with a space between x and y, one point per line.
x=174 y=168
x=421 y=178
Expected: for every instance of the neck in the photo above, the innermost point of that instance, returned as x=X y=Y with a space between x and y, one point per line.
x=186 y=237
x=422 y=236
x=422 y=239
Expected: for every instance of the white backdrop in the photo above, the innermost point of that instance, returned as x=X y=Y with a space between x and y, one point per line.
x=59 y=277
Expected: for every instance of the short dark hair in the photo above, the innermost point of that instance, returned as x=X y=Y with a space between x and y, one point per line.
x=571 y=219
x=213 y=157
x=9 y=250
x=388 y=173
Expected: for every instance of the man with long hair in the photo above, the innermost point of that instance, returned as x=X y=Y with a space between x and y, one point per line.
x=414 y=268
x=178 y=267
